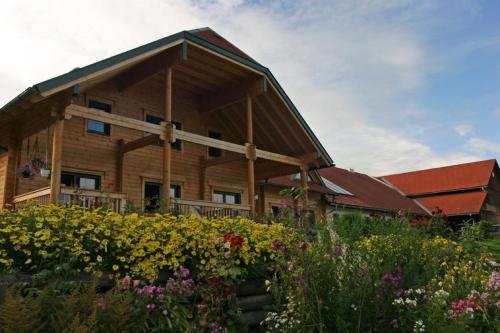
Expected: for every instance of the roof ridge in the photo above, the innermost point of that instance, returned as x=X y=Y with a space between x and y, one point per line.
x=439 y=167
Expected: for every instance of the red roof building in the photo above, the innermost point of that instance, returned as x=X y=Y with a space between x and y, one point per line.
x=463 y=191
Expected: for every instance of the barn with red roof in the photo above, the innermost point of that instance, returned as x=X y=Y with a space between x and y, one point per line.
x=463 y=191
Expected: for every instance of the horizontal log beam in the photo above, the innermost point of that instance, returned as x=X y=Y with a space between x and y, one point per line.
x=278 y=157
x=140 y=143
x=231 y=95
x=150 y=67
x=139 y=125
x=206 y=141
x=113 y=119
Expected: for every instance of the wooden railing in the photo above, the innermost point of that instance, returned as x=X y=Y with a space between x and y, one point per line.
x=40 y=196
x=93 y=199
x=85 y=198
x=208 y=209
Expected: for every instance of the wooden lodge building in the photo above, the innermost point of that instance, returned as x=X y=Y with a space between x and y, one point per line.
x=190 y=115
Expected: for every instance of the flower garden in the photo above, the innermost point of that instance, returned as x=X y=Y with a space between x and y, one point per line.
x=171 y=273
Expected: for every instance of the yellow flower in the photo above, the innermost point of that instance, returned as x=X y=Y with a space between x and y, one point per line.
x=115 y=267
x=99 y=259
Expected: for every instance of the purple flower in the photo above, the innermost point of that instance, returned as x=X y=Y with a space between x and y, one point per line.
x=276 y=245
x=150 y=306
x=165 y=312
x=494 y=282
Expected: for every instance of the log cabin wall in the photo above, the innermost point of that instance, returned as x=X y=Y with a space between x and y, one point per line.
x=97 y=154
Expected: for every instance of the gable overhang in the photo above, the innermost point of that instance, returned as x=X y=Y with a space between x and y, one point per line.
x=132 y=57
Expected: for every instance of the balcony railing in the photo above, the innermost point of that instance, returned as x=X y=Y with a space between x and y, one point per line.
x=208 y=209
x=86 y=198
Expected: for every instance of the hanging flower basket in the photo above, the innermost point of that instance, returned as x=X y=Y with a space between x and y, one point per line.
x=45 y=172
x=26 y=172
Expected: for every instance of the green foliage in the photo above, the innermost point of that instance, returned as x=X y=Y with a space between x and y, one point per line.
x=376 y=275
x=475 y=231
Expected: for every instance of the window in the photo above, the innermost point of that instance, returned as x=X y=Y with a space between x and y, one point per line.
x=226 y=197
x=98 y=127
x=276 y=210
x=214 y=152
x=177 y=145
x=153 y=193
x=82 y=181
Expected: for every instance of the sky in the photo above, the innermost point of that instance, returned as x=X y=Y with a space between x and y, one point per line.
x=387 y=86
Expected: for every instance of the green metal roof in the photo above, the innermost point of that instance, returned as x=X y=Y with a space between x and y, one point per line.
x=100 y=65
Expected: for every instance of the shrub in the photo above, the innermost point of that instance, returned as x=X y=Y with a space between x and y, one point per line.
x=43 y=239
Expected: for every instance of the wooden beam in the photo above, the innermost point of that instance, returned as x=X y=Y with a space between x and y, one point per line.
x=140 y=143
x=167 y=147
x=251 y=155
x=230 y=95
x=206 y=141
x=203 y=174
x=150 y=67
x=113 y=119
x=55 y=176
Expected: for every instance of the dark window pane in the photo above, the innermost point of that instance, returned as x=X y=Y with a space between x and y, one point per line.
x=154 y=120
x=99 y=127
x=226 y=197
x=275 y=211
x=214 y=152
x=152 y=196
x=83 y=181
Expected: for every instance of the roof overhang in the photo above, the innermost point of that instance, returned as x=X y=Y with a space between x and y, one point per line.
x=129 y=58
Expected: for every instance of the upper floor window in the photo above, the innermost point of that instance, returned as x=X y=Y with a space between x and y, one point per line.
x=81 y=181
x=226 y=197
x=214 y=152
x=98 y=127
x=177 y=145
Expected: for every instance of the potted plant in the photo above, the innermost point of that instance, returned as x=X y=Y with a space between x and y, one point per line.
x=45 y=171
x=26 y=171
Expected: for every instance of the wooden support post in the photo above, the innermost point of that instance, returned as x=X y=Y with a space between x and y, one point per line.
x=167 y=147
x=251 y=156
x=305 y=186
x=10 y=171
x=119 y=166
x=55 y=176
x=203 y=174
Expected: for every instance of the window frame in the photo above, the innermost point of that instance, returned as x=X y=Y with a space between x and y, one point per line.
x=160 y=184
x=77 y=175
x=107 y=127
x=212 y=149
x=238 y=197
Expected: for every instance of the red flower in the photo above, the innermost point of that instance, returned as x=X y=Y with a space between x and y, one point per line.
x=214 y=281
x=233 y=239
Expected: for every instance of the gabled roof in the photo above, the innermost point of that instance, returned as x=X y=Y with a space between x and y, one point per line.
x=463 y=203
x=204 y=38
x=369 y=192
x=444 y=179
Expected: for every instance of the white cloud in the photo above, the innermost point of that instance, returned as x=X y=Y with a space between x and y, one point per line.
x=351 y=63
x=483 y=146
x=463 y=129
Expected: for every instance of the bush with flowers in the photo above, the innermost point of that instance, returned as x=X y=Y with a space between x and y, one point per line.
x=35 y=238
x=376 y=275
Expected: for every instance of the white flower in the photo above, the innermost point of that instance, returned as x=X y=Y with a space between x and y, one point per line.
x=411 y=302
x=419 y=326
x=398 y=301
x=420 y=291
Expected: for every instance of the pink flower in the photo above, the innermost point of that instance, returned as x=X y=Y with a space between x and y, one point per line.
x=126 y=282
x=136 y=283
x=151 y=306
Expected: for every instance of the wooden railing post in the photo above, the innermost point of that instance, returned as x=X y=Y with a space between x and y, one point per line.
x=167 y=148
x=251 y=156
x=57 y=142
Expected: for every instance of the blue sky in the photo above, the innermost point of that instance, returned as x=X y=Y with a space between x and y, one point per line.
x=387 y=86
